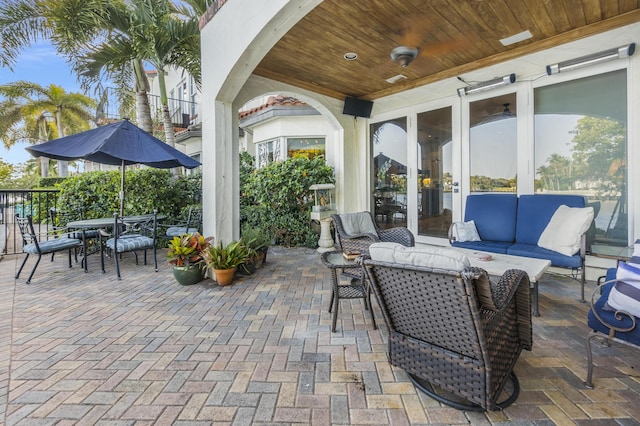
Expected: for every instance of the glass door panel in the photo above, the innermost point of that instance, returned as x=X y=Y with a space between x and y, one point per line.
x=493 y=144
x=434 y=172
x=389 y=150
x=581 y=148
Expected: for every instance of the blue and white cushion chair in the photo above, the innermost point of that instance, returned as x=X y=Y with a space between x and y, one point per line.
x=133 y=237
x=615 y=309
x=189 y=226
x=33 y=245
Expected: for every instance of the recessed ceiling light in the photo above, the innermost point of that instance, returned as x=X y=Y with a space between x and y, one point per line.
x=351 y=56
x=396 y=78
x=516 y=38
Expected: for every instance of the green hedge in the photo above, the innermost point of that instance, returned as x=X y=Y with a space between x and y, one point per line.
x=277 y=199
x=96 y=194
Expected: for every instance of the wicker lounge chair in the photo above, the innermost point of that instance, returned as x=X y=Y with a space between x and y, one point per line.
x=358 y=238
x=456 y=335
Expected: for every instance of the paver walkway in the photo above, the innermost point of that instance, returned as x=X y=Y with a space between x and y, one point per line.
x=85 y=349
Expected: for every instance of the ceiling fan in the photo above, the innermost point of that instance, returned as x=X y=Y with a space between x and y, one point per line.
x=413 y=40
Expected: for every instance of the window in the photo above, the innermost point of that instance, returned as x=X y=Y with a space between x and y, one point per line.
x=435 y=183
x=493 y=144
x=268 y=152
x=389 y=150
x=581 y=148
x=305 y=147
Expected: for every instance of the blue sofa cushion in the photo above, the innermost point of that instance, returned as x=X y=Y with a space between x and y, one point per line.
x=491 y=246
x=494 y=216
x=535 y=211
x=557 y=259
x=632 y=336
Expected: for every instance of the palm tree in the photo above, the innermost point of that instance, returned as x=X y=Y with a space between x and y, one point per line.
x=149 y=31
x=21 y=23
x=112 y=38
x=34 y=113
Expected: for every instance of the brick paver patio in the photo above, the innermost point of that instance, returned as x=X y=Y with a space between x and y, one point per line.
x=86 y=349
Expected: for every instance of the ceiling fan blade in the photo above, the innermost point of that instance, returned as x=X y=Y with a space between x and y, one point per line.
x=441 y=48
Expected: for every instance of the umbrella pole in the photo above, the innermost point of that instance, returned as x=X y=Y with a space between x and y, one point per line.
x=122 y=191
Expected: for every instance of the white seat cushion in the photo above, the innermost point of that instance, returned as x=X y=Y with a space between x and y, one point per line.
x=428 y=256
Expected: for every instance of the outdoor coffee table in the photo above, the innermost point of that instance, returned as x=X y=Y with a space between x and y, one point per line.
x=358 y=289
x=500 y=263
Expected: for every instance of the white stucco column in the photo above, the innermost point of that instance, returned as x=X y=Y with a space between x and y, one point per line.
x=230 y=53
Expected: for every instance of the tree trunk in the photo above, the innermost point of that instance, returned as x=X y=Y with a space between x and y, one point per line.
x=143 y=111
x=44 y=166
x=43 y=136
x=63 y=166
x=169 y=134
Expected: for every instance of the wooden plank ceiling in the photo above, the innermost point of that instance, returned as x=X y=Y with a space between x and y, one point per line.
x=453 y=37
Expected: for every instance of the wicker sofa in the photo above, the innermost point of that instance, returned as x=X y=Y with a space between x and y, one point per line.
x=456 y=335
x=511 y=224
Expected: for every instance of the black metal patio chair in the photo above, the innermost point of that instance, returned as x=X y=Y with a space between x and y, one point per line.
x=131 y=237
x=33 y=244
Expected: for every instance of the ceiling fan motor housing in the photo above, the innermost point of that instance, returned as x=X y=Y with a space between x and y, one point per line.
x=404 y=55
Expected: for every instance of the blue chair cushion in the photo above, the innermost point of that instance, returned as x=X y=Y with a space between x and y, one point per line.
x=494 y=216
x=176 y=231
x=557 y=259
x=491 y=246
x=632 y=336
x=130 y=243
x=51 y=246
x=535 y=211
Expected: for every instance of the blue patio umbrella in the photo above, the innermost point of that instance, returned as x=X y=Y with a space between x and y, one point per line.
x=120 y=143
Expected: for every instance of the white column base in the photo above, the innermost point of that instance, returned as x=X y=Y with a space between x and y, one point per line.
x=325 y=243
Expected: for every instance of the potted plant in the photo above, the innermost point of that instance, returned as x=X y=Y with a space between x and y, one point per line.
x=185 y=254
x=224 y=260
x=257 y=240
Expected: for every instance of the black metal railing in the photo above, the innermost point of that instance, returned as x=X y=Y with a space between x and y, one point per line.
x=183 y=113
x=34 y=202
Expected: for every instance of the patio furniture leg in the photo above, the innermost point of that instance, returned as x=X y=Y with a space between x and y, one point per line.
x=335 y=298
x=22 y=265
x=34 y=268
x=534 y=300
x=155 y=260
x=115 y=256
x=588 y=383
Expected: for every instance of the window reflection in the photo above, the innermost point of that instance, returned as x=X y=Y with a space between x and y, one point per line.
x=434 y=172
x=580 y=148
x=493 y=145
x=389 y=148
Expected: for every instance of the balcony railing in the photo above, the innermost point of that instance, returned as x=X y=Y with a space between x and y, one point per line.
x=183 y=113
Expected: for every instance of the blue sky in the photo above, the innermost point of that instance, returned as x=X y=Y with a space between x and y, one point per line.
x=39 y=64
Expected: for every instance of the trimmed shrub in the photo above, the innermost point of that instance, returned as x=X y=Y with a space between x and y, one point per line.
x=277 y=198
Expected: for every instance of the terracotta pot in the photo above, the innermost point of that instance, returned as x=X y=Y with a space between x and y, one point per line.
x=188 y=275
x=224 y=276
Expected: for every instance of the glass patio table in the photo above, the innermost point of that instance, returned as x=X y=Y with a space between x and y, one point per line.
x=358 y=289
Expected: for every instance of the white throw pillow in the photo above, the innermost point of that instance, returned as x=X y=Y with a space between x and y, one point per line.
x=429 y=256
x=625 y=294
x=465 y=231
x=565 y=228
